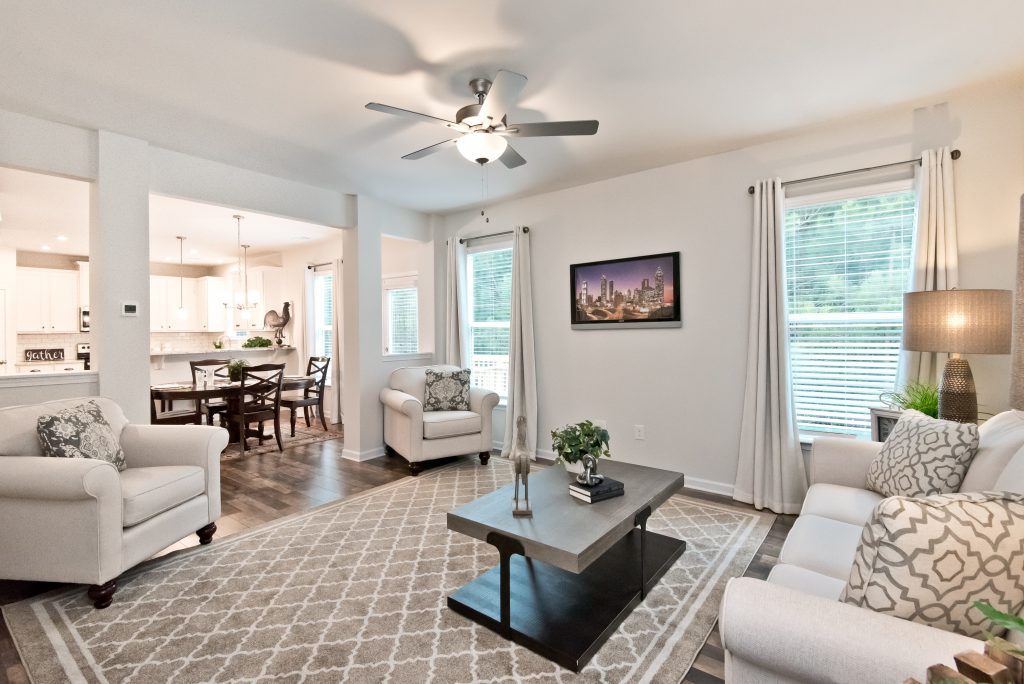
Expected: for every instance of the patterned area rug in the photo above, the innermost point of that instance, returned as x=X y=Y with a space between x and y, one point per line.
x=303 y=435
x=355 y=591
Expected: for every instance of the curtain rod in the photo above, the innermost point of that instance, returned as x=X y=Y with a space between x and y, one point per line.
x=463 y=241
x=955 y=154
x=326 y=263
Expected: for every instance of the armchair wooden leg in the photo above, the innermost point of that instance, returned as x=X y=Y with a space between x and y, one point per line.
x=206 y=533
x=102 y=595
x=485 y=456
x=415 y=468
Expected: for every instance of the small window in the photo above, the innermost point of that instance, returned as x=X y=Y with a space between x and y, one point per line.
x=323 y=313
x=847 y=265
x=401 y=315
x=489 y=282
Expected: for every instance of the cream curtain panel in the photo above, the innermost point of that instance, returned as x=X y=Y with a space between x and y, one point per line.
x=935 y=262
x=1017 y=354
x=455 y=345
x=336 y=330
x=522 y=377
x=770 y=472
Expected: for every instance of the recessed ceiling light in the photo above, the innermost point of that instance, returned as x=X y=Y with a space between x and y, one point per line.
x=62 y=238
x=45 y=248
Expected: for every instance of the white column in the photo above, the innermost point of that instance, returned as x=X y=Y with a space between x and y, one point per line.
x=119 y=272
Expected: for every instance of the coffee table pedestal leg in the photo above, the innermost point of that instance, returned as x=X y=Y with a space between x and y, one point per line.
x=566 y=617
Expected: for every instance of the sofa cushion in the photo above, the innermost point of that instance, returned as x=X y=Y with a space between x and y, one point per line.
x=923 y=456
x=18 y=435
x=80 y=431
x=845 y=504
x=147 y=492
x=822 y=545
x=807 y=581
x=446 y=390
x=929 y=559
x=1012 y=477
x=999 y=438
x=440 y=424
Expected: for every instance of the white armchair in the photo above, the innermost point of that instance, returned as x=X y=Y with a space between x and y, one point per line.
x=421 y=436
x=82 y=521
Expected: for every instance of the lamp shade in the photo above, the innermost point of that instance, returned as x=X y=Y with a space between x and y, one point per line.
x=958 y=321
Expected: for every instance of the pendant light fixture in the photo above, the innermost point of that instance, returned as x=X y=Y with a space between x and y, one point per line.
x=244 y=306
x=182 y=311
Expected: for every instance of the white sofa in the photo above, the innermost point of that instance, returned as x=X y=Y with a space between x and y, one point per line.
x=792 y=628
x=80 y=520
x=421 y=436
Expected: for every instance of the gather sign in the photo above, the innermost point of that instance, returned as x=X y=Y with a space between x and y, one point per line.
x=44 y=354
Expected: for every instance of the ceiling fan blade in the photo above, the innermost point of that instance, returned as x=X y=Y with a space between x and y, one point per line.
x=511 y=159
x=397 y=111
x=504 y=93
x=426 y=151
x=532 y=130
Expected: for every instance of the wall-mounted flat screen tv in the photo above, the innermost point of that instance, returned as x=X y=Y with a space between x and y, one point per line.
x=635 y=292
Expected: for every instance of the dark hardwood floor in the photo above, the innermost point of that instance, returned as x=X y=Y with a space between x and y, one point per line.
x=260 y=488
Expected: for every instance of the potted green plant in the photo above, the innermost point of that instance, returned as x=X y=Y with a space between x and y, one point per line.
x=235 y=369
x=257 y=342
x=919 y=396
x=573 y=442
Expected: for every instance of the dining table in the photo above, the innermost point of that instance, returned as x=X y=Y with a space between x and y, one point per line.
x=199 y=392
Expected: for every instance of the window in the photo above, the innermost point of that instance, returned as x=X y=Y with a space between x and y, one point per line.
x=401 y=316
x=489 y=282
x=847 y=265
x=323 y=313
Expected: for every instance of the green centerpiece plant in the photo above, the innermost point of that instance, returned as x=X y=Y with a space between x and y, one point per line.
x=235 y=369
x=573 y=442
x=257 y=343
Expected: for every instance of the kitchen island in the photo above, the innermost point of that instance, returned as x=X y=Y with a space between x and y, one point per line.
x=172 y=365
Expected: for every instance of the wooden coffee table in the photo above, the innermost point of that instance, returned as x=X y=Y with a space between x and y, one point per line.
x=573 y=572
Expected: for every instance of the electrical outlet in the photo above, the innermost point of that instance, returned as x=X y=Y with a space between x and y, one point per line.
x=639 y=432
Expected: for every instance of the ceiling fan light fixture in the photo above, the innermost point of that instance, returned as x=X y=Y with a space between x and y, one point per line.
x=481 y=147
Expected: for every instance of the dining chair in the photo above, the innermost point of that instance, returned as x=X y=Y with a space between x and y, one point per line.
x=259 y=401
x=172 y=417
x=219 y=368
x=312 y=396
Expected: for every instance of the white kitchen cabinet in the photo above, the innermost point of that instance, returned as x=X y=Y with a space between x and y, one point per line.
x=83 y=284
x=47 y=300
x=168 y=295
x=211 y=297
x=61 y=367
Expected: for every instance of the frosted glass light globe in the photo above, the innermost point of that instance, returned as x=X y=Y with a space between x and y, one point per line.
x=481 y=147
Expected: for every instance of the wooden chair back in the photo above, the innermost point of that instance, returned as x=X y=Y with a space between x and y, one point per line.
x=316 y=368
x=260 y=393
x=219 y=367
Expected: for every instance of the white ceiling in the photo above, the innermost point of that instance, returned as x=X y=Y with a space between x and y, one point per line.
x=49 y=214
x=280 y=86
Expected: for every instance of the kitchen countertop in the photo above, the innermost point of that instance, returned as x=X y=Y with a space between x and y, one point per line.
x=218 y=352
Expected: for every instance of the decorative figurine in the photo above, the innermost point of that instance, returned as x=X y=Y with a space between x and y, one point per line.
x=589 y=475
x=276 y=322
x=521 y=465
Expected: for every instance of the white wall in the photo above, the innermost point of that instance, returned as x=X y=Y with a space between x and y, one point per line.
x=9 y=324
x=686 y=385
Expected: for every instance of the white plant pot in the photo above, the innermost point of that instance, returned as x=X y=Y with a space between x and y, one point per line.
x=574 y=468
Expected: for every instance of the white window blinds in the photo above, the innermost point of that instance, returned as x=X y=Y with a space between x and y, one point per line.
x=847 y=265
x=489 y=280
x=323 y=312
x=403 y=321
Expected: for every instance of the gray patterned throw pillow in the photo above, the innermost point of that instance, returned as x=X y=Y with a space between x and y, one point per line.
x=80 y=432
x=928 y=560
x=923 y=456
x=446 y=390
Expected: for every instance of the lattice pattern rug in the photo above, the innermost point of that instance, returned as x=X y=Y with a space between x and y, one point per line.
x=355 y=591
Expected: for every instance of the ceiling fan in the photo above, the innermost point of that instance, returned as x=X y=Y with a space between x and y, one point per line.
x=483 y=125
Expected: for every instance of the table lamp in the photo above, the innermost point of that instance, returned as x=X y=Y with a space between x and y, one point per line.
x=958 y=322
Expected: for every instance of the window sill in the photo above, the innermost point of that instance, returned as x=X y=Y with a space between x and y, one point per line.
x=419 y=356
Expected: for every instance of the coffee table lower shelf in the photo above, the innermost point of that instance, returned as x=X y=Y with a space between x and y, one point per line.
x=563 y=616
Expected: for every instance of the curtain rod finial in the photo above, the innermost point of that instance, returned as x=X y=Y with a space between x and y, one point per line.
x=955 y=154
x=750 y=190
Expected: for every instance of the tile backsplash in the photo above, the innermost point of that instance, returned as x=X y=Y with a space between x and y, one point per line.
x=49 y=341
x=182 y=341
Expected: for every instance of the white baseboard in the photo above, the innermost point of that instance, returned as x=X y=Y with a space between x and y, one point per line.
x=710 y=486
x=350 y=455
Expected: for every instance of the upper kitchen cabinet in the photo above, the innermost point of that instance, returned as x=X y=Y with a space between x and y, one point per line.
x=47 y=300
x=174 y=304
x=212 y=301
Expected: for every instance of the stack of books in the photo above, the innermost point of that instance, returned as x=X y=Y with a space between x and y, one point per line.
x=605 y=489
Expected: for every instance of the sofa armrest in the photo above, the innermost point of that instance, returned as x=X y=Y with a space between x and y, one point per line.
x=482 y=401
x=812 y=639
x=58 y=479
x=842 y=461
x=405 y=404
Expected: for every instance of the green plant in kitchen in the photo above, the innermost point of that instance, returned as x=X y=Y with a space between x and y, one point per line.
x=235 y=369
x=573 y=442
x=257 y=343
x=919 y=396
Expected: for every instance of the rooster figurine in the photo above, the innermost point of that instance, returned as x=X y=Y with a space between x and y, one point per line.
x=275 y=322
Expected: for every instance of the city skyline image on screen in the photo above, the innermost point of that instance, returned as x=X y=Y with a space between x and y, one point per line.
x=638 y=289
